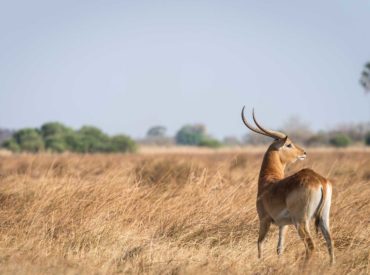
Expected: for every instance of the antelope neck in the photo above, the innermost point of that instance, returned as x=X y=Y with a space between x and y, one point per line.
x=272 y=169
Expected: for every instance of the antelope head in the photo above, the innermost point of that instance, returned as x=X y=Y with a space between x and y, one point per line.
x=288 y=151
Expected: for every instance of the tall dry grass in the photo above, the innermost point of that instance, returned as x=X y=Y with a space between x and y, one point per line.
x=166 y=214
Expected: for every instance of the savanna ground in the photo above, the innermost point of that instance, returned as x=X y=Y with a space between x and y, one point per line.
x=164 y=213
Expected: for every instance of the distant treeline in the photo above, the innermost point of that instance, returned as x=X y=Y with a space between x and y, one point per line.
x=298 y=131
x=56 y=137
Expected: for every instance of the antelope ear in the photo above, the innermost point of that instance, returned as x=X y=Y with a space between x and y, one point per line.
x=280 y=142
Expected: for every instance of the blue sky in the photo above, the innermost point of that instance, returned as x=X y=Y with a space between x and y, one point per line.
x=127 y=65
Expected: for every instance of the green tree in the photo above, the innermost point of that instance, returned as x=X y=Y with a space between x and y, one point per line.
x=122 y=143
x=55 y=136
x=196 y=135
x=156 y=132
x=29 y=140
x=340 y=140
x=90 y=139
x=54 y=128
x=74 y=142
x=191 y=134
x=156 y=135
x=12 y=145
x=56 y=143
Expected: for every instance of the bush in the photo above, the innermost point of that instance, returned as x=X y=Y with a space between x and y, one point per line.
x=210 y=142
x=54 y=128
x=12 y=145
x=190 y=135
x=122 y=143
x=367 y=138
x=29 y=140
x=196 y=135
x=156 y=135
x=91 y=139
x=340 y=140
x=74 y=142
x=56 y=137
x=56 y=144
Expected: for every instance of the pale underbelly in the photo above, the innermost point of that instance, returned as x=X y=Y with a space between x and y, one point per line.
x=282 y=217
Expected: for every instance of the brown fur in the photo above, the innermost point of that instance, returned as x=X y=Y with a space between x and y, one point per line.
x=291 y=200
x=293 y=194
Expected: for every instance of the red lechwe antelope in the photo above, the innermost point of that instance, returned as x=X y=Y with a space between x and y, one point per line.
x=296 y=199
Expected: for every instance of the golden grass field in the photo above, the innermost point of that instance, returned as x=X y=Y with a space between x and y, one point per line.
x=168 y=213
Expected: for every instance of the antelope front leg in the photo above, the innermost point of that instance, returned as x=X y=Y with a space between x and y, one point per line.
x=280 y=246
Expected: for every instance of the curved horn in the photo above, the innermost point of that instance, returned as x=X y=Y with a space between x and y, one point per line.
x=250 y=127
x=274 y=134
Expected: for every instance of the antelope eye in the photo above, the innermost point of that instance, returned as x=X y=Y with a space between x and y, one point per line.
x=289 y=145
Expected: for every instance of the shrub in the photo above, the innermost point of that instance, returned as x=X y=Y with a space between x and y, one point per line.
x=74 y=143
x=56 y=143
x=12 y=145
x=210 y=142
x=190 y=135
x=54 y=128
x=340 y=140
x=92 y=139
x=29 y=140
x=56 y=137
x=122 y=143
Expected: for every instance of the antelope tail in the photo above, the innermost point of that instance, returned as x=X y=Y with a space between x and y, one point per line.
x=318 y=217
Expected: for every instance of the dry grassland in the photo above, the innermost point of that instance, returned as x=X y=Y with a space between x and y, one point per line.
x=167 y=214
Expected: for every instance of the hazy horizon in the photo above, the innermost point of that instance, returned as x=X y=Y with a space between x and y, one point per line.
x=127 y=66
